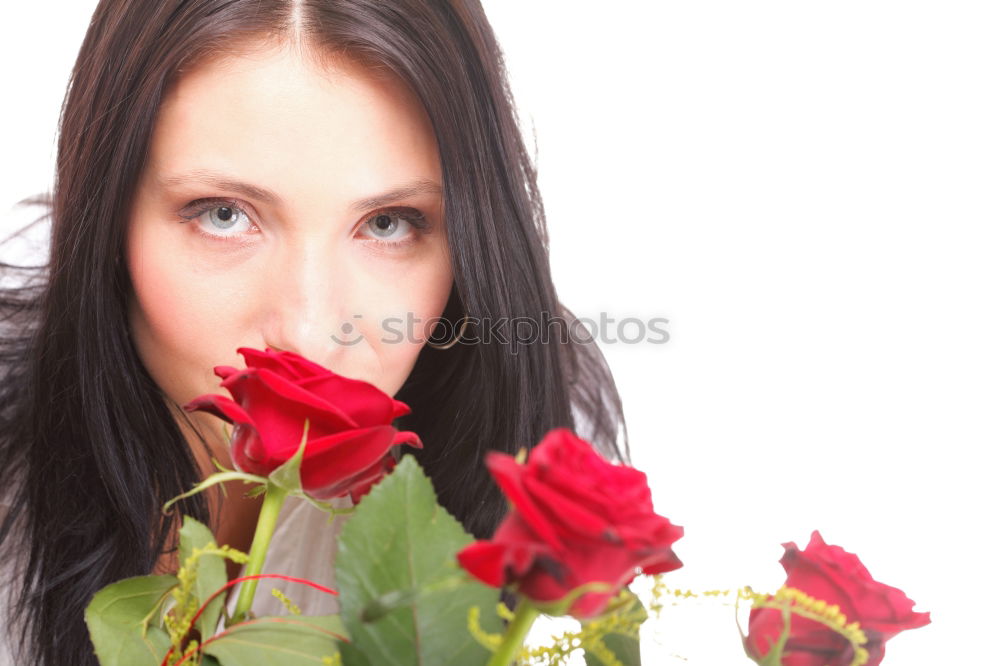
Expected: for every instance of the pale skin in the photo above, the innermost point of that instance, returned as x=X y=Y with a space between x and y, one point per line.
x=288 y=261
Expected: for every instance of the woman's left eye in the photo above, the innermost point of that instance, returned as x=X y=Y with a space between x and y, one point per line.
x=396 y=227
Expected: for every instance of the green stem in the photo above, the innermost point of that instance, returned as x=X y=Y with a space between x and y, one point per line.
x=266 y=522
x=777 y=651
x=524 y=617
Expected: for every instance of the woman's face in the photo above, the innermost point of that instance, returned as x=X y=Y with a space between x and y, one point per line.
x=287 y=206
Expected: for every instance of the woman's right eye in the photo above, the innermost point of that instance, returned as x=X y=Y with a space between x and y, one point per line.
x=219 y=219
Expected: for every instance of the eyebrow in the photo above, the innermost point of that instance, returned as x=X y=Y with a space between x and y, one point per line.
x=224 y=182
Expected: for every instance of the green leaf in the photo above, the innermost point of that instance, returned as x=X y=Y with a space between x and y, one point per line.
x=623 y=646
x=289 y=640
x=331 y=511
x=115 y=619
x=396 y=562
x=350 y=655
x=381 y=606
x=210 y=572
x=256 y=491
x=212 y=479
x=626 y=648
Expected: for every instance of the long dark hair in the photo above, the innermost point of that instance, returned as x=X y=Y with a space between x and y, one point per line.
x=89 y=446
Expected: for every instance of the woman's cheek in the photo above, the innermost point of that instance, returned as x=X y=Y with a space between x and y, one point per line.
x=183 y=323
x=398 y=330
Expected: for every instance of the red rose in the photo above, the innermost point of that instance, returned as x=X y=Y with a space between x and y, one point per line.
x=350 y=431
x=576 y=519
x=830 y=574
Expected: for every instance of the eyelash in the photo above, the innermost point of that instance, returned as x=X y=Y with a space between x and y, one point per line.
x=413 y=217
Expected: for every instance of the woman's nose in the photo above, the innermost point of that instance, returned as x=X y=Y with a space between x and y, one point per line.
x=306 y=302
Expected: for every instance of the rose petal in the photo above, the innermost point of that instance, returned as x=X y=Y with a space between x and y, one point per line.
x=522 y=542
x=220 y=406
x=276 y=402
x=249 y=453
x=566 y=513
x=507 y=473
x=366 y=404
x=356 y=485
x=569 y=464
x=648 y=529
x=362 y=484
x=330 y=460
x=804 y=574
x=399 y=409
x=246 y=448
x=660 y=560
x=508 y=556
x=224 y=371
x=292 y=391
x=287 y=364
x=408 y=438
x=485 y=560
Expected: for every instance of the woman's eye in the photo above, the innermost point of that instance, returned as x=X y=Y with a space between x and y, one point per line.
x=393 y=227
x=225 y=220
x=220 y=219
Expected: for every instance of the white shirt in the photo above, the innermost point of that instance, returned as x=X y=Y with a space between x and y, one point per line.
x=303 y=546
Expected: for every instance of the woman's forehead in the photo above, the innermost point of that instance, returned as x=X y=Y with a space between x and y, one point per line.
x=273 y=116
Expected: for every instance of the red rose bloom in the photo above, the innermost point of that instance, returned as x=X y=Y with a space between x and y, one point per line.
x=576 y=519
x=835 y=576
x=350 y=431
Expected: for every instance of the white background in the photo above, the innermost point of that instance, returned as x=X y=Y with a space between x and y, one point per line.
x=809 y=193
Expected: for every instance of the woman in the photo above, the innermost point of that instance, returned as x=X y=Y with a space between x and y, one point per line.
x=324 y=176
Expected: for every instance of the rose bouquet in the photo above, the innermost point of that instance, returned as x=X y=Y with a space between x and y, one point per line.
x=413 y=587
